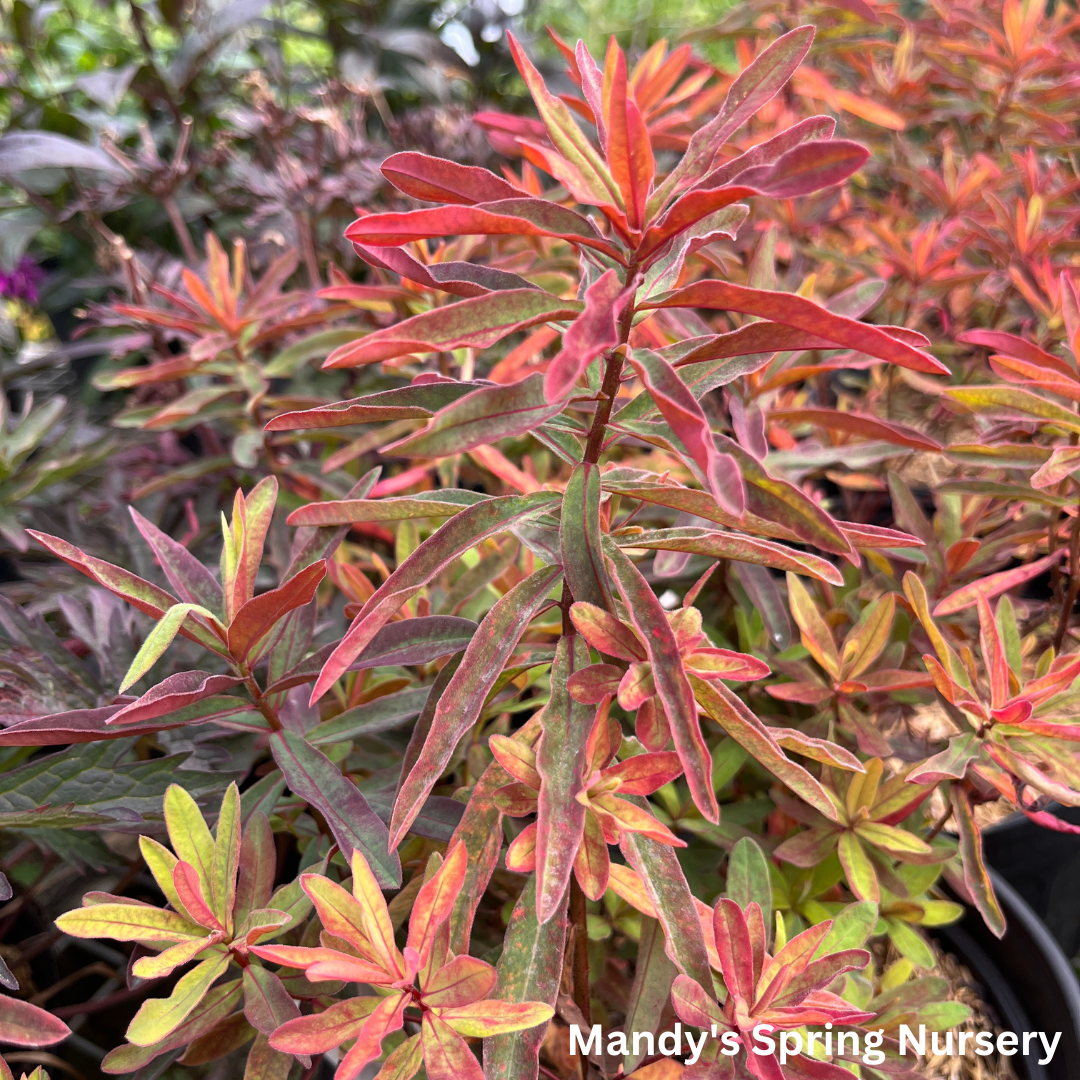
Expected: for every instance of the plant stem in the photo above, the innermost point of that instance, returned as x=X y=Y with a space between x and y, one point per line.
x=259 y=701
x=612 y=377
x=581 y=950
x=940 y=823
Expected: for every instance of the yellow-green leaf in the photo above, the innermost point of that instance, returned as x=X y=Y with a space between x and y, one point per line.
x=159 y=1017
x=226 y=859
x=159 y=639
x=128 y=922
x=191 y=839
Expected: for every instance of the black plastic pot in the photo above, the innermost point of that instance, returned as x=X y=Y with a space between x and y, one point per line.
x=1025 y=978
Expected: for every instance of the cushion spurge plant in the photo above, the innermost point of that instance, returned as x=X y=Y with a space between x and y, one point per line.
x=603 y=524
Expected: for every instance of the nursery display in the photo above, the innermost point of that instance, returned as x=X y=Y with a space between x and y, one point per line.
x=581 y=617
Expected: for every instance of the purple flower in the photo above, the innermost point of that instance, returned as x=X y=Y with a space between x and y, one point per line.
x=22 y=283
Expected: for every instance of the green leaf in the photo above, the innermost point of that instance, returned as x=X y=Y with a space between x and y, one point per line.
x=1007 y=401
x=226 y=858
x=850 y=929
x=530 y=969
x=579 y=538
x=561 y=762
x=653 y=975
x=159 y=639
x=485 y=416
x=462 y=701
x=188 y=832
x=286 y=362
x=312 y=776
x=858 y=869
x=94 y=778
x=748 y=878
x=909 y=943
x=129 y=922
x=159 y=1017
x=440 y=549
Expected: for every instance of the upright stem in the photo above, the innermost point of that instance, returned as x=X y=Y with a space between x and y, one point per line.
x=612 y=377
x=581 y=950
x=260 y=702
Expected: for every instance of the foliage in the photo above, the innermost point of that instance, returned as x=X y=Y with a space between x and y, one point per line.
x=673 y=590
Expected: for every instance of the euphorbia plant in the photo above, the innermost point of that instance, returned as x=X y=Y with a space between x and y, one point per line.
x=544 y=601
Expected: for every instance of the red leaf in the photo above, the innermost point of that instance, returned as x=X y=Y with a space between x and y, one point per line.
x=435 y=179
x=186 y=882
x=460 y=533
x=259 y=615
x=23 y=1024
x=595 y=682
x=461 y=702
x=458 y=278
x=681 y=410
x=629 y=152
x=644 y=773
x=859 y=424
x=995 y=584
x=806 y=168
x=593 y=332
x=507 y=217
x=560 y=761
x=173 y=693
x=651 y=622
x=802 y=314
x=479 y=419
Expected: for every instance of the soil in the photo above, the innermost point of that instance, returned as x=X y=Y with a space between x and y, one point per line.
x=964 y=987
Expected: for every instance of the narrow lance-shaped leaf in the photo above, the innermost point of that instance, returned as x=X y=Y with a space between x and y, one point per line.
x=681 y=410
x=628 y=147
x=529 y=969
x=651 y=622
x=506 y=217
x=455 y=277
x=316 y=779
x=579 y=538
x=140 y=594
x=455 y=537
x=748 y=731
x=653 y=975
x=669 y=892
x=159 y=639
x=748 y=879
x=567 y=137
x=476 y=323
x=560 y=761
x=159 y=1017
x=591 y=334
x=258 y=616
x=434 y=179
x=858 y=424
x=803 y=314
x=191 y=579
x=463 y=699
x=976 y=876
x=485 y=416
x=755 y=86
x=737 y=546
